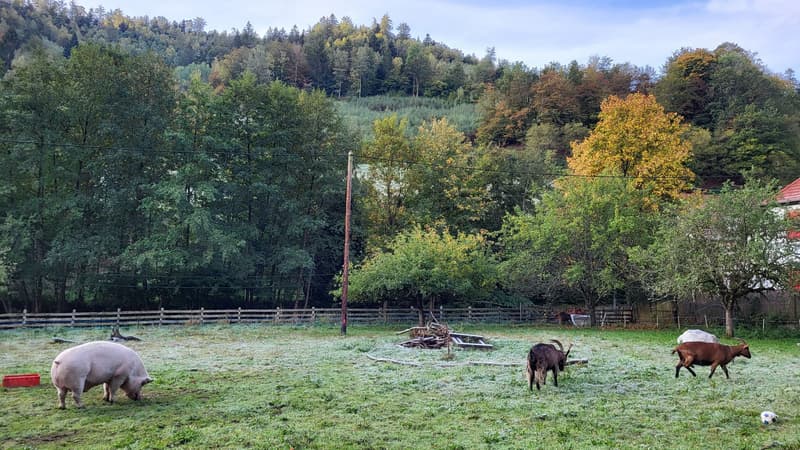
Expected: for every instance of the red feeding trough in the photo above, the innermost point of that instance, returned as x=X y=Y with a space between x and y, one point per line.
x=23 y=380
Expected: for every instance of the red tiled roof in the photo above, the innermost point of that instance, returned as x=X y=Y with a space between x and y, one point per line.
x=790 y=193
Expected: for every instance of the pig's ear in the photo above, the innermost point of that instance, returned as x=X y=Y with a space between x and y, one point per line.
x=147 y=380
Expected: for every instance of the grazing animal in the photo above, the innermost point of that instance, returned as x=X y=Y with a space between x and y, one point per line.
x=113 y=365
x=696 y=336
x=708 y=354
x=544 y=357
x=563 y=317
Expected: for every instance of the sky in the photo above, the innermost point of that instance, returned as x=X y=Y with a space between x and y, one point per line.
x=534 y=32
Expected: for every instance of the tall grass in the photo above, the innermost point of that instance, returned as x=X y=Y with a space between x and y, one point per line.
x=286 y=387
x=360 y=113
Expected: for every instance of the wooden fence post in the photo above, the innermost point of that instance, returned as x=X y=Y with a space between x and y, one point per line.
x=313 y=315
x=441 y=312
x=202 y=313
x=72 y=320
x=278 y=314
x=239 y=315
x=161 y=316
x=118 y=311
x=24 y=317
x=469 y=313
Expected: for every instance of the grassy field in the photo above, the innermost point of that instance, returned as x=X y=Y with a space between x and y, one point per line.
x=361 y=113
x=285 y=387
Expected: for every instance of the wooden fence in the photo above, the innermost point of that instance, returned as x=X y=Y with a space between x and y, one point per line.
x=522 y=314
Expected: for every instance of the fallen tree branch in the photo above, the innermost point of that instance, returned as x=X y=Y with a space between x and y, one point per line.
x=467 y=363
x=576 y=361
x=393 y=361
x=480 y=363
x=115 y=336
x=58 y=340
x=410 y=329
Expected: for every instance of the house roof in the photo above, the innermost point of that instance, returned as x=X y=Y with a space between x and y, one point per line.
x=790 y=193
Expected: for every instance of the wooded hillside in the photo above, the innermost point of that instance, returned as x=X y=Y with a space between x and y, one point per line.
x=152 y=162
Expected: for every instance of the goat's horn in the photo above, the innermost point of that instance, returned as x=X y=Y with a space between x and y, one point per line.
x=568 y=349
x=560 y=347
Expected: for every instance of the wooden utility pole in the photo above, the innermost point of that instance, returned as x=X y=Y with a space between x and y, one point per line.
x=346 y=267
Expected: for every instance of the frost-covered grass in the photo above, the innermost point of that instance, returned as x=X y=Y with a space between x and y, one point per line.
x=285 y=387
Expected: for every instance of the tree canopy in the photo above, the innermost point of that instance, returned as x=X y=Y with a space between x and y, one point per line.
x=728 y=245
x=577 y=240
x=636 y=139
x=424 y=266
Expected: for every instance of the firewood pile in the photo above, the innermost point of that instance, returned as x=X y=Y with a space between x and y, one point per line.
x=438 y=335
x=434 y=335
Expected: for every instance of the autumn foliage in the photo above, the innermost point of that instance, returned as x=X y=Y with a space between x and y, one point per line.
x=636 y=138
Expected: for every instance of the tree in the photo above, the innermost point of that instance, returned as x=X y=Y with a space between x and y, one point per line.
x=424 y=266
x=363 y=70
x=507 y=107
x=385 y=186
x=31 y=186
x=727 y=246
x=417 y=67
x=577 y=240
x=636 y=139
x=750 y=113
x=554 y=99
x=440 y=186
x=759 y=141
x=340 y=65
x=685 y=87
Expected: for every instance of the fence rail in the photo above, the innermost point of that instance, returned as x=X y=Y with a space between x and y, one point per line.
x=522 y=314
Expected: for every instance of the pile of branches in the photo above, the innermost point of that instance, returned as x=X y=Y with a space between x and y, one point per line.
x=434 y=335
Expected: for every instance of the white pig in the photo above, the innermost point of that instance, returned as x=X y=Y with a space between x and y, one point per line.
x=113 y=365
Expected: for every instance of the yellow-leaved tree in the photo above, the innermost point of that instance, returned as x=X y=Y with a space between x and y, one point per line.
x=636 y=138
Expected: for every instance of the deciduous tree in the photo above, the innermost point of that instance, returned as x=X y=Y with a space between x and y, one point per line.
x=635 y=138
x=384 y=202
x=425 y=266
x=727 y=246
x=577 y=240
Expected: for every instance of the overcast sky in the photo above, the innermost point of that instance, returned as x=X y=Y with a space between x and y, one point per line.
x=535 y=32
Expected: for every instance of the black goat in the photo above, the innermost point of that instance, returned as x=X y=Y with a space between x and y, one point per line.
x=544 y=357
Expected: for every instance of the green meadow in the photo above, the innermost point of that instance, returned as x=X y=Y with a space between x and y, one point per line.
x=281 y=387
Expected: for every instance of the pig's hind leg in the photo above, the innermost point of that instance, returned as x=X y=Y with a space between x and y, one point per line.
x=110 y=388
x=76 y=395
x=62 y=395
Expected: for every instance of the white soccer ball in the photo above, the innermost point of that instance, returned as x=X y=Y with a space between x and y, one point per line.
x=768 y=417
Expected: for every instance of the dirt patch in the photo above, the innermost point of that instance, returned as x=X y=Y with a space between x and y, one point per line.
x=48 y=438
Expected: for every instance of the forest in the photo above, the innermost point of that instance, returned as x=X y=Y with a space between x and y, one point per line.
x=150 y=162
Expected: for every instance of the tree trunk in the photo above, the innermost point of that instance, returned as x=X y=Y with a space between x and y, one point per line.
x=591 y=307
x=729 y=319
